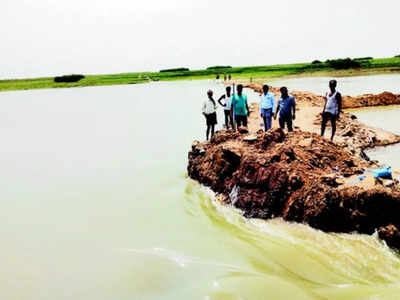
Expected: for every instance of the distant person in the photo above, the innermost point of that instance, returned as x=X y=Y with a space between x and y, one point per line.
x=227 y=107
x=267 y=103
x=240 y=107
x=229 y=77
x=224 y=76
x=210 y=113
x=287 y=109
x=332 y=108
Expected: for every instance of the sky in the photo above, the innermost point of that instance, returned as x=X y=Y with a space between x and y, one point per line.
x=53 y=37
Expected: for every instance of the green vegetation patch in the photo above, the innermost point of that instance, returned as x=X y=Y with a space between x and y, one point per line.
x=219 y=67
x=175 y=70
x=69 y=78
x=364 y=58
x=364 y=63
x=343 y=63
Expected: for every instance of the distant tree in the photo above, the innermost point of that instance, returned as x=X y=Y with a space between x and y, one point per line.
x=219 y=67
x=397 y=55
x=316 y=62
x=69 y=78
x=364 y=58
x=175 y=70
x=343 y=63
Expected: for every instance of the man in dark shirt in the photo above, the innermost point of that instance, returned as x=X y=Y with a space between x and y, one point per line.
x=287 y=109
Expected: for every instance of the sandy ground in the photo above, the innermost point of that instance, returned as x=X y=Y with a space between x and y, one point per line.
x=308 y=119
x=305 y=117
x=350 y=132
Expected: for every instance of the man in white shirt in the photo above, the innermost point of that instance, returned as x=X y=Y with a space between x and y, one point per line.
x=267 y=102
x=227 y=107
x=332 y=108
x=209 y=111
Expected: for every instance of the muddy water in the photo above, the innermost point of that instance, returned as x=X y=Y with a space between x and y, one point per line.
x=352 y=86
x=95 y=204
x=386 y=118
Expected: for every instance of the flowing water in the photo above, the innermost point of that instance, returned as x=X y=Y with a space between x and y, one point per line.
x=95 y=204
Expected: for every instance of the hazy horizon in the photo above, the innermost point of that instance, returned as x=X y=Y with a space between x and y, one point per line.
x=47 y=38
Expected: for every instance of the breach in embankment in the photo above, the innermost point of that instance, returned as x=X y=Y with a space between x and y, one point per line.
x=302 y=177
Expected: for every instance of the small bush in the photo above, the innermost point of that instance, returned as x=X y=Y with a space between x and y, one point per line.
x=343 y=63
x=364 y=58
x=69 y=78
x=316 y=62
x=219 y=67
x=175 y=70
x=397 y=55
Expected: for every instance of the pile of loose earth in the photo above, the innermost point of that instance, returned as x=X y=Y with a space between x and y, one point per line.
x=300 y=177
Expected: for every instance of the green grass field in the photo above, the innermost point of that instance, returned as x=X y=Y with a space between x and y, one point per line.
x=372 y=66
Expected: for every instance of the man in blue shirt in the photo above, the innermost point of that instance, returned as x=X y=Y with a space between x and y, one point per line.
x=287 y=108
x=266 y=107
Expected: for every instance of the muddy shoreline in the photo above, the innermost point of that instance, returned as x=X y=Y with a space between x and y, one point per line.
x=301 y=176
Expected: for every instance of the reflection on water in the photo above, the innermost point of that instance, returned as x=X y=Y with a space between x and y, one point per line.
x=95 y=205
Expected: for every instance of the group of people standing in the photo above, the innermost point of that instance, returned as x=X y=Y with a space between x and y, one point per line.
x=236 y=109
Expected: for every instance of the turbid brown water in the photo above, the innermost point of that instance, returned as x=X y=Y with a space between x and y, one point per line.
x=385 y=118
x=95 y=205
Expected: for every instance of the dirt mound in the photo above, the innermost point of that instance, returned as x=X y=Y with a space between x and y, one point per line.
x=351 y=133
x=298 y=176
x=385 y=98
x=357 y=136
x=311 y=99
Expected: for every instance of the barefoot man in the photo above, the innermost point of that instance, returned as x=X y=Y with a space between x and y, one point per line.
x=287 y=109
x=332 y=108
x=227 y=107
x=240 y=107
x=210 y=113
x=267 y=104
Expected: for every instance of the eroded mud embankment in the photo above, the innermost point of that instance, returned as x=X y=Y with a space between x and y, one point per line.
x=301 y=176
